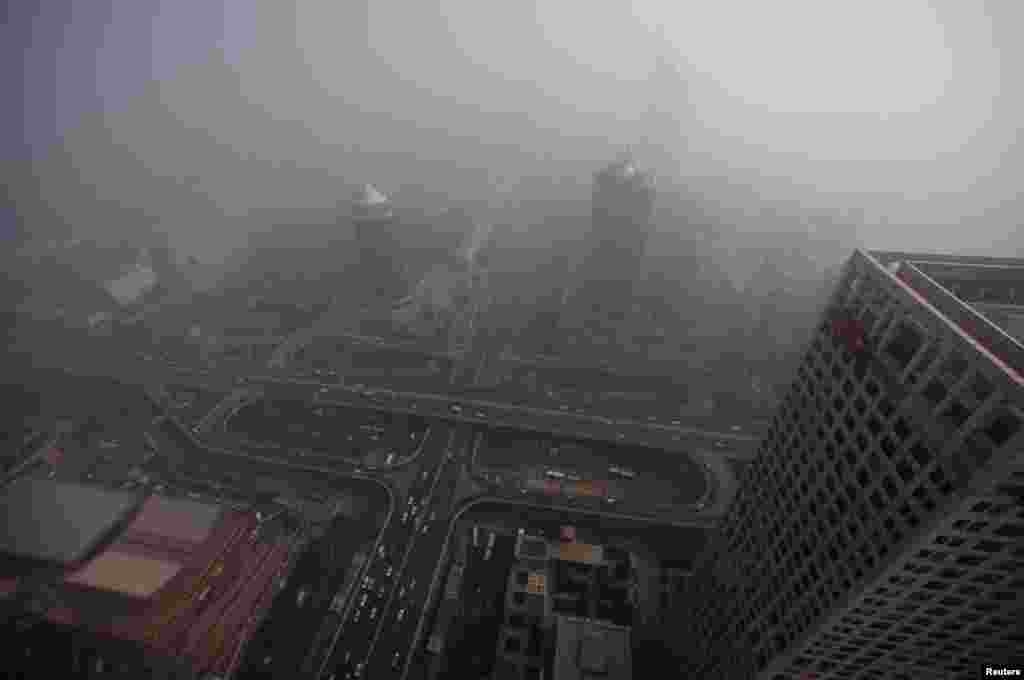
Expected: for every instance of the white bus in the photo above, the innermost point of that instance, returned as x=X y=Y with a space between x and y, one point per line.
x=625 y=473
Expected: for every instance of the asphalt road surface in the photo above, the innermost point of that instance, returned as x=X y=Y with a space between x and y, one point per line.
x=107 y=359
x=327 y=431
x=661 y=477
x=381 y=627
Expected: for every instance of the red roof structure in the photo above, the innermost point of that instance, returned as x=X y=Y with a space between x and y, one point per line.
x=184 y=579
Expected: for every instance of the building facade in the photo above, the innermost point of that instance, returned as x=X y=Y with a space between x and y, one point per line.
x=880 y=531
x=612 y=257
x=380 y=270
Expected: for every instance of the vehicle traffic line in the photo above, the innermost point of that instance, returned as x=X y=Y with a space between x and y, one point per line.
x=400 y=573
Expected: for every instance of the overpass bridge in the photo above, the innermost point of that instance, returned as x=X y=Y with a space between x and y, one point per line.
x=455 y=405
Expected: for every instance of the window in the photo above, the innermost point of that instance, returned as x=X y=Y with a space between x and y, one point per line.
x=904 y=344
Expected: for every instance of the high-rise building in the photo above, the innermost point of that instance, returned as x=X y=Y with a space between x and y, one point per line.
x=880 y=531
x=612 y=256
x=380 y=270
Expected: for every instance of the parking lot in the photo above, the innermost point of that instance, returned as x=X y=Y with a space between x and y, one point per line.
x=327 y=430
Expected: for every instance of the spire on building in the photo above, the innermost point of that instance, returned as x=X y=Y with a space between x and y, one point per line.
x=368 y=203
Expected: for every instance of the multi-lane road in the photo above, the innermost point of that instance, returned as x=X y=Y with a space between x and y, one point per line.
x=382 y=618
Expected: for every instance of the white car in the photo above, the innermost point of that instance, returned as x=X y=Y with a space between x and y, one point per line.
x=373 y=614
x=388 y=571
x=455 y=408
x=401 y=615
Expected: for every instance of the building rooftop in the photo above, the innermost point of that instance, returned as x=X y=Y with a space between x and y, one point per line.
x=983 y=297
x=369 y=203
x=59 y=522
x=584 y=553
x=591 y=649
x=173 y=576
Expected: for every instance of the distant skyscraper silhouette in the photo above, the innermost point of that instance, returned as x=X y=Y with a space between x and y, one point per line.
x=612 y=253
x=880 y=531
x=379 y=258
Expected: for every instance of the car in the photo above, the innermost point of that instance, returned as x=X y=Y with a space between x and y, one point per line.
x=563 y=407
x=735 y=428
x=720 y=446
x=373 y=614
x=677 y=423
x=396 y=661
x=405 y=517
x=358 y=672
x=381 y=551
x=480 y=414
x=363 y=599
x=300 y=598
x=455 y=408
x=388 y=571
x=401 y=614
x=555 y=474
x=424 y=528
x=573 y=477
x=401 y=592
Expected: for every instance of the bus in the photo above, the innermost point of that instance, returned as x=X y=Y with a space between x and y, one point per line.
x=625 y=473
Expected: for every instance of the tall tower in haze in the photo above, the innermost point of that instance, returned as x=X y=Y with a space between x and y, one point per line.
x=380 y=270
x=613 y=251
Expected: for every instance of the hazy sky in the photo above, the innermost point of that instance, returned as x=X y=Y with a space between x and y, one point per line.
x=905 y=97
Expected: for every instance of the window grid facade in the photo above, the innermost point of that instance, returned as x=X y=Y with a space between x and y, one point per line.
x=880 y=527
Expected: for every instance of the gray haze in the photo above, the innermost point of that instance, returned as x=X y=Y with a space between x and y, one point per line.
x=886 y=124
